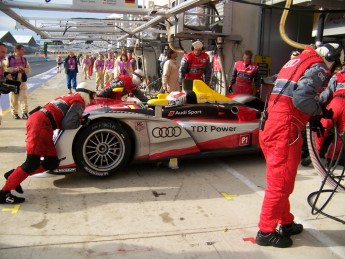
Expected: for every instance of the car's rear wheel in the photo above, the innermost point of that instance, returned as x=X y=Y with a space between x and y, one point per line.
x=102 y=148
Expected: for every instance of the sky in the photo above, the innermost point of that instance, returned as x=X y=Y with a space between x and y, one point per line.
x=8 y=24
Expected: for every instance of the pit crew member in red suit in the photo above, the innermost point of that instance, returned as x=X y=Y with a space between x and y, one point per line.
x=195 y=64
x=130 y=84
x=292 y=103
x=336 y=91
x=244 y=73
x=64 y=112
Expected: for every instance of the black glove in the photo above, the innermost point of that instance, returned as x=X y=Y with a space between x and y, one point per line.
x=316 y=126
x=85 y=120
x=230 y=88
x=327 y=114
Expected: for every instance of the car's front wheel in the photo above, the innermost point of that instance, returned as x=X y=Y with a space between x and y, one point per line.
x=102 y=148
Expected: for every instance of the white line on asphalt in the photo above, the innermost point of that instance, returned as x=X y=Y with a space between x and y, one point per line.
x=332 y=245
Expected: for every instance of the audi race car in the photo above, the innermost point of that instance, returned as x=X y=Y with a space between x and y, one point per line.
x=120 y=133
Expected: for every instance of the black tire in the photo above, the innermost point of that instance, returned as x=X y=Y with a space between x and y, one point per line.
x=102 y=148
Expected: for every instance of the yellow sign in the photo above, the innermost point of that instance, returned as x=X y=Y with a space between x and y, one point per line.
x=265 y=64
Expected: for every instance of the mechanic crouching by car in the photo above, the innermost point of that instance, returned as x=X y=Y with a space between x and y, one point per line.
x=64 y=112
x=292 y=103
x=130 y=84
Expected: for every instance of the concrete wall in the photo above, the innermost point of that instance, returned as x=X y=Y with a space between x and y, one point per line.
x=244 y=24
x=298 y=27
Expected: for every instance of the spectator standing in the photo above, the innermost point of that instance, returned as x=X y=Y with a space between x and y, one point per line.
x=122 y=66
x=116 y=55
x=108 y=68
x=71 y=70
x=99 y=70
x=170 y=73
x=244 y=73
x=58 y=63
x=92 y=61
x=161 y=59
x=123 y=51
x=196 y=64
x=132 y=60
x=85 y=64
x=3 y=51
x=19 y=67
x=79 y=59
x=292 y=103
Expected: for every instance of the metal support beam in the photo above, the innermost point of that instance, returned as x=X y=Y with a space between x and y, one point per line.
x=175 y=10
x=5 y=6
x=70 y=8
x=22 y=21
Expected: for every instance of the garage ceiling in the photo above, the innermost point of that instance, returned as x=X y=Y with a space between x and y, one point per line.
x=124 y=22
x=117 y=24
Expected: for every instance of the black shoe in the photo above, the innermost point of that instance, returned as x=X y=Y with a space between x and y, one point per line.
x=291 y=229
x=273 y=239
x=16 y=116
x=25 y=116
x=8 y=198
x=19 y=188
x=306 y=161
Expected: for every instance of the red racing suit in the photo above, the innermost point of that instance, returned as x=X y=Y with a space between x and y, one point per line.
x=336 y=86
x=243 y=75
x=194 y=67
x=129 y=88
x=63 y=113
x=290 y=106
x=124 y=81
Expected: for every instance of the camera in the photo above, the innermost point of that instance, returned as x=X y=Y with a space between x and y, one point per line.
x=7 y=86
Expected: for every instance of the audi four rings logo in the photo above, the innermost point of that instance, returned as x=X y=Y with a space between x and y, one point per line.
x=166 y=132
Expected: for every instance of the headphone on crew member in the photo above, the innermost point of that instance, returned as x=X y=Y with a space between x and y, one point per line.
x=334 y=53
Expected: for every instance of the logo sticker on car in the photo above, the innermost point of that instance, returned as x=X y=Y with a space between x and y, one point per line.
x=139 y=126
x=166 y=132
x=185 y=112
x=244 y=140
x=213 y=129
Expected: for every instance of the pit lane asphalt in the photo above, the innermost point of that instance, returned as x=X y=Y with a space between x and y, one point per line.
x=208 y=208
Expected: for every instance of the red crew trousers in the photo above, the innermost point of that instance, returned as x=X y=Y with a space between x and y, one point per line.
x=39 y=142
x=281 y=143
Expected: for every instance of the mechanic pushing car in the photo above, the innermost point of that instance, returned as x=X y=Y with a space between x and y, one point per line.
x=292 y=103
x=64 y=112
x=130 y=84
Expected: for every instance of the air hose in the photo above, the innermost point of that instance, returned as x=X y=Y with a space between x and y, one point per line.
x=326 y=171
x=282 y=28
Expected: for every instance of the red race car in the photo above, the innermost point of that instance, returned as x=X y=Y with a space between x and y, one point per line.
x=199 y=123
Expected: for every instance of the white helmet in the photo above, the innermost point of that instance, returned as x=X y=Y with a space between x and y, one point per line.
x=138 y=77
x=86 y=91
x=330 y=52
x=176 y=98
